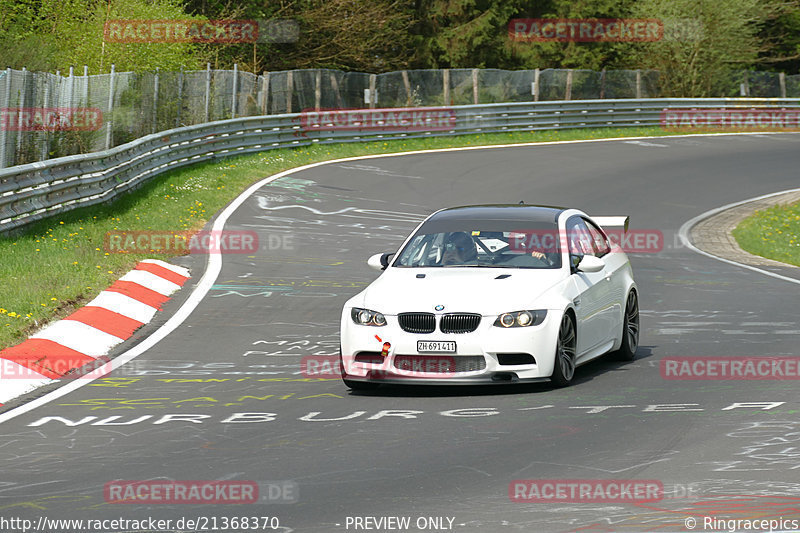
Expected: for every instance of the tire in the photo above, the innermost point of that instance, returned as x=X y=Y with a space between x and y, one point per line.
x=630 y=329
x=564 y=364
x=354 y=385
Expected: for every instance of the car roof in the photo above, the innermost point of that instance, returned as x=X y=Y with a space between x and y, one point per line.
x=494 y=216
x=521 y=212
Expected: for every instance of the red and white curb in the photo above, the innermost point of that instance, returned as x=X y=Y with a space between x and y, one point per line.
x=89 y=333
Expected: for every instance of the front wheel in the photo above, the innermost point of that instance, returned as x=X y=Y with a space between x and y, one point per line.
x=630 y=329
x=564 y=367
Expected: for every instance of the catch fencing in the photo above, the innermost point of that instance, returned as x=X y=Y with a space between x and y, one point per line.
x=130 y=105
x=37 y=190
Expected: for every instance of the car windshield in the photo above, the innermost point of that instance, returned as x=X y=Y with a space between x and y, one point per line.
x=477 y=247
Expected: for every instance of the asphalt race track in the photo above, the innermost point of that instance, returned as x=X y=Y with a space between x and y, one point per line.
x=447 y=455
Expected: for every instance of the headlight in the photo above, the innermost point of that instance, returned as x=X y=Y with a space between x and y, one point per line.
x=521 y=319
x=366 y=317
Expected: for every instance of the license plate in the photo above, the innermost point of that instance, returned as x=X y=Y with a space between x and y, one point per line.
x=436 y=346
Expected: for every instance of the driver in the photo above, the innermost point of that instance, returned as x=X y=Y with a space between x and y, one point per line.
x=459 y=248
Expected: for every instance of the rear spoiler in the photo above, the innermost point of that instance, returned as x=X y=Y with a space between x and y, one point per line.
x=613 y=222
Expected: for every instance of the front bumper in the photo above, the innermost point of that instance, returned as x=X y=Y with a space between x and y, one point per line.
x=481 y=357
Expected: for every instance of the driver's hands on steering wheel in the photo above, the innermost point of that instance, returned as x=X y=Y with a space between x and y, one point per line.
x=542 y=256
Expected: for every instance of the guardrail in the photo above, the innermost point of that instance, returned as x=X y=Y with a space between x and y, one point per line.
x=38 y=190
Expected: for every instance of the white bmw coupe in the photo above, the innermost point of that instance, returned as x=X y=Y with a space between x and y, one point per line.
x=492 y=294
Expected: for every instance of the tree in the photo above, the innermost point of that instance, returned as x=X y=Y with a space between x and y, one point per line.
x=722 y=38
x=584 y=55
x=370 y=36
x=57 y=34
x=464 y=33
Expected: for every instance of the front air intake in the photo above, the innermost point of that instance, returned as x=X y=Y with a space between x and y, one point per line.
x=417 y=322
x=459 y=322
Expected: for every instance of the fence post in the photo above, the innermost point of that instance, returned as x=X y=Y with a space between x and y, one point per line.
x=568 y=91
x=409 y=99
x=638 y=83
x=155 y=103
x=3 y=132
x=22 y=105
x=603 y=83
x=109 y=119
x=45 y=135
x=446 y=85
x=180 y=98
x=335 y=86
x=265 y=91
x=289 y=86
x=208 y=90
x=317 y=89
x=235 y=89
x=475 y=86
x=536 y=85
x=373 y=98
x=782 y=81
x=86 y=85
x=745 y=88
x=71 y=93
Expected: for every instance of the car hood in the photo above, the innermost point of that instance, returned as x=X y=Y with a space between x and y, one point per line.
x=476 y=290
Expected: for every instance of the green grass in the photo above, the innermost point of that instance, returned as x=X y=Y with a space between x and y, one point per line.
x=60 y=263
x=773 y=233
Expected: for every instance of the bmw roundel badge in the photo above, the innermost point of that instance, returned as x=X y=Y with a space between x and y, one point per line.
x=439 y=307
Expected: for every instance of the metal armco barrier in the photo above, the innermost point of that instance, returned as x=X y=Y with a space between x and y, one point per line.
x=38 y=190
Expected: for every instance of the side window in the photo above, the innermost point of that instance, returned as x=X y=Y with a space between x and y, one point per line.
x=579 y=238
x=599 y=240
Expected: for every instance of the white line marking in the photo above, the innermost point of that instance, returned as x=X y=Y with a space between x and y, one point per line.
x=683 y=233
x=643 y=143
x=214 y=265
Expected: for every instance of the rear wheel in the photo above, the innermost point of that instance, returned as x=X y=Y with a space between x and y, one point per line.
x=630 y=329
x=349 y=383
x=564 y=367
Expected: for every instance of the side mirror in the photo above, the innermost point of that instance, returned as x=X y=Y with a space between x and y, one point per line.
x=590 y=263
x=379 y=261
